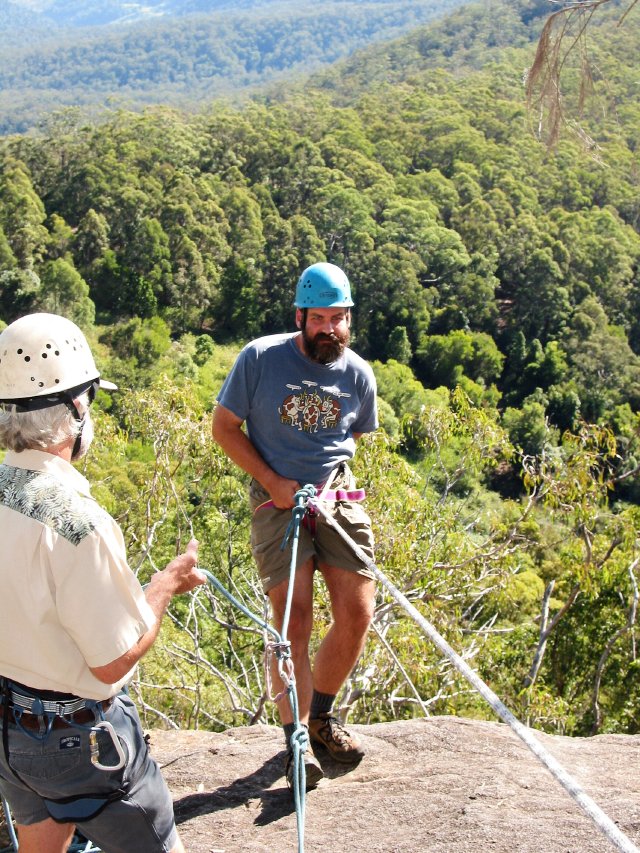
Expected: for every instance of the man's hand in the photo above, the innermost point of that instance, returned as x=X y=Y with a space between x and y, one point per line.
x=184 y=570
x=227 y=431
x=283 y=492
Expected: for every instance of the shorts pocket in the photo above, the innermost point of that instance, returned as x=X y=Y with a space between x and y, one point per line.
x=45 y=767
x=257 y=495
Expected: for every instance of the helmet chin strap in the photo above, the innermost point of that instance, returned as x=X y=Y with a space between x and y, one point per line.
x=77 y=444
x=65 y=398
x=69 y=401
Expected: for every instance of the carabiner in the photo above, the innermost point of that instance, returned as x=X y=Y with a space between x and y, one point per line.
x=95 y=752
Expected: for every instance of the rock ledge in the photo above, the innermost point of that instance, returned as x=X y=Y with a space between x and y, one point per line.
x=442 y=785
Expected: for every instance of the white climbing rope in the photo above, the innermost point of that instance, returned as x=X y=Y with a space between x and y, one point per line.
x=591 y=808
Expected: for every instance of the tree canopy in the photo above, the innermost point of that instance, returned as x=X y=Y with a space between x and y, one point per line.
x=496 y=292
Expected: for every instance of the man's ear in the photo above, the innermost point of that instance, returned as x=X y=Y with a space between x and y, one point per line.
x=298 y=318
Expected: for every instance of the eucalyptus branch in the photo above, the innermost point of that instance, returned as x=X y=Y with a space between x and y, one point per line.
x=401 y=668
x=625 y=629
x=546 y=628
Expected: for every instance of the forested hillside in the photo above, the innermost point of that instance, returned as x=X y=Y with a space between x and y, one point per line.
x=178 y=53
x=497 y=292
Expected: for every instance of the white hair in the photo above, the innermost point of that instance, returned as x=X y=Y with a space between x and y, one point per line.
x=37 y=430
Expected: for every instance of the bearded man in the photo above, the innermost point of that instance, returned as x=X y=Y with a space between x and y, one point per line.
x=305 y=398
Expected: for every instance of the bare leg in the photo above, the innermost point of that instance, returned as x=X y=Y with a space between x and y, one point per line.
x=298 y=634
x=51 y=837
x=47 y=836
x=352 y=604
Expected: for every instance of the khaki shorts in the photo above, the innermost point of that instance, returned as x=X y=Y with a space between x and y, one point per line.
x=269 y=526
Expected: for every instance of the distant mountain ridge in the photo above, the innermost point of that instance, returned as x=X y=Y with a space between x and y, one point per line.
x=76 y=13
x=17 y=19
x=98 y=13
x=84 y=53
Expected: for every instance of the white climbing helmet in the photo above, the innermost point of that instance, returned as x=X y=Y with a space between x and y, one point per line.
x=43 y=357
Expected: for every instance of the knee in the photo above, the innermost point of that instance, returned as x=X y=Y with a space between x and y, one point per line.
x=300 y=625
x=364 y=618
x=355 y=620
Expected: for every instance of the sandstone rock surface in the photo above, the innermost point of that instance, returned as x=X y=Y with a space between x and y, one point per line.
x=438 y=785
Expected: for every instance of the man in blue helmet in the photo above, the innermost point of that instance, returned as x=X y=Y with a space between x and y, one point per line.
x=305 y=398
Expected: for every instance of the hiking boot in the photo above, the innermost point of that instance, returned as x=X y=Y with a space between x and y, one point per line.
x=313 y=771
x=341 y=746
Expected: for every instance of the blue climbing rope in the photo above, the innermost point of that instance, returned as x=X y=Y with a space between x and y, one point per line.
x=299 y=740
x=13 y=838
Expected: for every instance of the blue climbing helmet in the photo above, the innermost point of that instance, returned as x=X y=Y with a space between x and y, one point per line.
x=323 y=285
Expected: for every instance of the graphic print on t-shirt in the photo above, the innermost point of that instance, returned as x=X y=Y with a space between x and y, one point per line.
x=311 y=408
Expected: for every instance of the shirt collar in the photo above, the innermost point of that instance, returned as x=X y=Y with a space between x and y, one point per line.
x=47 y=463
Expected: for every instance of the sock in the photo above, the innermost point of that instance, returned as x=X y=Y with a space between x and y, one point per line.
x=321 y=703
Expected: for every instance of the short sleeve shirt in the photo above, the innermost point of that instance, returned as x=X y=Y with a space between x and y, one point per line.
x=68 y=599
x=301 y=416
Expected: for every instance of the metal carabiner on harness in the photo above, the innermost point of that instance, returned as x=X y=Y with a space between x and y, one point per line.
x=95 y=749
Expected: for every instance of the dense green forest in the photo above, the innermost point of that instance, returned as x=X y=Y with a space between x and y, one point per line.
x=182 y=60
x=497 y=291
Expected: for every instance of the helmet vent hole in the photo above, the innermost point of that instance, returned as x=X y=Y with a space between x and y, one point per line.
x=44 y=355
x=20 y=351
x=27 y=358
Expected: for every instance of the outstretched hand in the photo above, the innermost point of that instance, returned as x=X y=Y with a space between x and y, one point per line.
x=185 y=571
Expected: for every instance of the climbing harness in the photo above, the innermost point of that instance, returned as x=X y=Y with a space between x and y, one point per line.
x=601 y=820
x=46 y=714
x=331 y=495
x=36 y=716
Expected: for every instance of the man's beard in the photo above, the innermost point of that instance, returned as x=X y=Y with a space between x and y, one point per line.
x=324 y=348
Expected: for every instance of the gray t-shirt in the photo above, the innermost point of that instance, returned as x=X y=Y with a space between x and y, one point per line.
x=300 y=415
